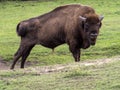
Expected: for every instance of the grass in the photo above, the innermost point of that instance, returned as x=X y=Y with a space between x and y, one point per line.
x=104 y=77
x=11 y=13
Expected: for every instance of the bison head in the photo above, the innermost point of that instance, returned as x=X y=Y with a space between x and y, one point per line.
x=91 y=25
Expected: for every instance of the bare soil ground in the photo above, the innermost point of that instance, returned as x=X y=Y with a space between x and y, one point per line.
x=57 y=68
x=3 y=65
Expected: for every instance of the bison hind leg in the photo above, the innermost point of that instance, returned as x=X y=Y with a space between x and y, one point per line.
x=25 y=55
x=17 y=55
x=23 y=51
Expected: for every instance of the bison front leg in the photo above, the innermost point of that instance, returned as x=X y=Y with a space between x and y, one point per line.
x=76 y=52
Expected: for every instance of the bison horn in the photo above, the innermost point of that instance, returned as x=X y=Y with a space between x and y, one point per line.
x=101 y=18
x=82 y=18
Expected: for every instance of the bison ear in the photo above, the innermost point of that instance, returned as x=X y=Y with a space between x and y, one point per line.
x=101 y=18
x=82 y=18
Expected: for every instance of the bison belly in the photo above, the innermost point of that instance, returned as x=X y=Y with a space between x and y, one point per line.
x=51 y=38
x=51 y=42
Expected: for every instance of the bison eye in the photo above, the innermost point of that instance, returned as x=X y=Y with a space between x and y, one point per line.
x=86 y=27
x=99 y=24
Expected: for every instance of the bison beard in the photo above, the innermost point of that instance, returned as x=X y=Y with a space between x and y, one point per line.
x=77 y=25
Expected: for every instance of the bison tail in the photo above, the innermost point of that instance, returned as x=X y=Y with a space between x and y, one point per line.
x=21 y=30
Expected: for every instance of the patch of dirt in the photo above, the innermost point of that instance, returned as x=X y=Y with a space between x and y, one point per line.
x=57 y=68
x=67 y=67
x=5 y=65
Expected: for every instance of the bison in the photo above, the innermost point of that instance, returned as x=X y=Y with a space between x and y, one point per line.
x=74 y=24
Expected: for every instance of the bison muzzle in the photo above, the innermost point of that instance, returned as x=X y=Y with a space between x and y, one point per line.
x=75 y=24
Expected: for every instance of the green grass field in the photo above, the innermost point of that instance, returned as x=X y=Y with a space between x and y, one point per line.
x=11 y=13
x=104 y=77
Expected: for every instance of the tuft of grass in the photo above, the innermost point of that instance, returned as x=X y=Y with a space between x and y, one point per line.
x=77 y=73
x=115 y=87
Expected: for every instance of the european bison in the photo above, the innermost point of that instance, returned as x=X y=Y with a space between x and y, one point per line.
x=77 y=25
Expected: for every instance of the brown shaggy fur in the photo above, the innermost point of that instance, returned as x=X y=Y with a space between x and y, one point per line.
x=61 y=25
